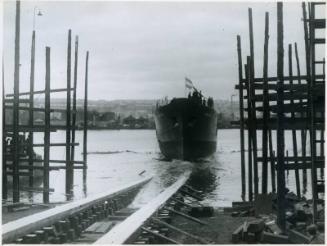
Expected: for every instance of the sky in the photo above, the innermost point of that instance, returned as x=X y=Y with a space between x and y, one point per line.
x=144 y=50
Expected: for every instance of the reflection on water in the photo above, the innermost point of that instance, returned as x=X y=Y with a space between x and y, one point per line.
x=120 y=157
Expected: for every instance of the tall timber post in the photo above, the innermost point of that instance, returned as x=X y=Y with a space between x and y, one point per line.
x=253 y=104
x=265 y=109
x=72 y=154
x=31 y=113
x=46 y=156
x=85 y=121
x=69 y=164
x=280 y=120
x=15 y=151
x=240 y=74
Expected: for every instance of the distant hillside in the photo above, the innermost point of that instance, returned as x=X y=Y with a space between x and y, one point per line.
x=135 y=108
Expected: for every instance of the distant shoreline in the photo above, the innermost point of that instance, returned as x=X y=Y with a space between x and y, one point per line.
x=110 y=128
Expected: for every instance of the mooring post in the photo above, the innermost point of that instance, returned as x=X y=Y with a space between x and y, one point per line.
x=294 y=138
x=280 y=121
x=253 y=106
x=249 y=126
x=240 y=76
x=47 y=123
x=31 y=114
x=69 y=169
x=265 y=109
x=4 y=145
x=74 y=101
x=15 y=139
x=85 y=121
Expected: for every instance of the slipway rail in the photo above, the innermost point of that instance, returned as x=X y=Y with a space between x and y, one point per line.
x=150 y=221
x=106 y=218
x=72 y=218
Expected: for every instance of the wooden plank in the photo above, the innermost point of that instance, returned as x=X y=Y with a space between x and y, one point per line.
x=296 y=107
x=303 y=165
x=156 y=234
x=28 y=224
x=25 y=167
x=286 y=78
x=318 y=23
x=180 y=231
x=289 y=124
x=187 y=216
x=292 y=159
x=12 y=100
x=26 y=128
x=119 y=234
x=27 y=93
x=54 y=144
x=287 y=87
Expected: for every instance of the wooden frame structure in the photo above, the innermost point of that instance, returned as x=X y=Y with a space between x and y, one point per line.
x=274 y=105
x=14 y=155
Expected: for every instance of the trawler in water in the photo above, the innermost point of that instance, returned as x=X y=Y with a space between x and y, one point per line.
x=186 y=128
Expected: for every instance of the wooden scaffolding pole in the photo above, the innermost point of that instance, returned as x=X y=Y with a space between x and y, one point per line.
x=303 y=132
x=74 y=100
x=4 y=145
x=272 y=163
x=307 y=59
x=31 y=113
x=46 y=156
x=253 y=113
x=240 y=74
x=69 y=167
x=85 y=121
x=265 y=109
x=294 y=138
x=250 y=172
x=280 y=121
x=15 y=139
x=313 y=133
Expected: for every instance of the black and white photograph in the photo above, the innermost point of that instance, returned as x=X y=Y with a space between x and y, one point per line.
x=163 y=122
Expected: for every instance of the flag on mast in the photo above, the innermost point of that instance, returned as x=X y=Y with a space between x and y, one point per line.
x=188 y=83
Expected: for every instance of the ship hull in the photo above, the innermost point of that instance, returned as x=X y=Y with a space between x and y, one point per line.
x=186 y=130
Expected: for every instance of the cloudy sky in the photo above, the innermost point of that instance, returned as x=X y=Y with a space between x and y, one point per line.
x=143 y=50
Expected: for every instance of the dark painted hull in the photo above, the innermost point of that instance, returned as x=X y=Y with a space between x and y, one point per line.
x=186 y=130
